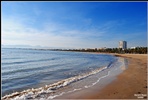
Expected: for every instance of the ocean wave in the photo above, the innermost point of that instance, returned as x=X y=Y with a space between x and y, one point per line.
x=49 y=89
x=29 y=61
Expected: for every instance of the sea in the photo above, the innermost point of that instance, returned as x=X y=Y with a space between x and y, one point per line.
x=38 y=73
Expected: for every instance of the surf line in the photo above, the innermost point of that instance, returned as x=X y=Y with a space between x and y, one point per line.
x=33 y=93
x=53 y=96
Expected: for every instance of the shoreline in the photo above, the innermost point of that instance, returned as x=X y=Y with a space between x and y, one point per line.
x=116 y=88
x=31 y=93
x=130 y=84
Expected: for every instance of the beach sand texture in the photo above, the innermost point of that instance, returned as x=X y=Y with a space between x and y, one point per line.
x=131 y=84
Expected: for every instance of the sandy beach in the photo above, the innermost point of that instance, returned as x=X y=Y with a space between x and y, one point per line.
x=130 y=84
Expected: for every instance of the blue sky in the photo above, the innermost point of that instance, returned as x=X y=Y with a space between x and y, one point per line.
x=74 y=24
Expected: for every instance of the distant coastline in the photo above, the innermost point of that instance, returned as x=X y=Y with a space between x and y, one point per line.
x=137 y=50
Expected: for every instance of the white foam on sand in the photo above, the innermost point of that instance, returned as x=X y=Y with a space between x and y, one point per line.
x=97 y=80
x=49 y=89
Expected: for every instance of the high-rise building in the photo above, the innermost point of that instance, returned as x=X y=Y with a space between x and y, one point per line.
x=123 y=45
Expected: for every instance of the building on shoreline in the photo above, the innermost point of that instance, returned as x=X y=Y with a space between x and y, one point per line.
x=123 y=45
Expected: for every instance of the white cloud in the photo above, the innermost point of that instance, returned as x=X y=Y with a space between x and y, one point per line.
x=15 y=31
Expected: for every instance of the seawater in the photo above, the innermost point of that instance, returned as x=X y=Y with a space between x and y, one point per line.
x=24 y=69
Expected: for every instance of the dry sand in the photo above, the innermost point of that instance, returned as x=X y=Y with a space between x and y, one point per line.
x=131 y=84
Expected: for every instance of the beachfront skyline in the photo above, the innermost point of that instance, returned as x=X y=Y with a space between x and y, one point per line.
x=74 y=24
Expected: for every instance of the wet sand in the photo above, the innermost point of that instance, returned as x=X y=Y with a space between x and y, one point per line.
x=130 y=84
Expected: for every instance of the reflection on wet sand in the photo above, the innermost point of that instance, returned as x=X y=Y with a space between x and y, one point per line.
x=125 y=63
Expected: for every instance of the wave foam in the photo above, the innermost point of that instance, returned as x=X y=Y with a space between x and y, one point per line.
x=48 y=89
